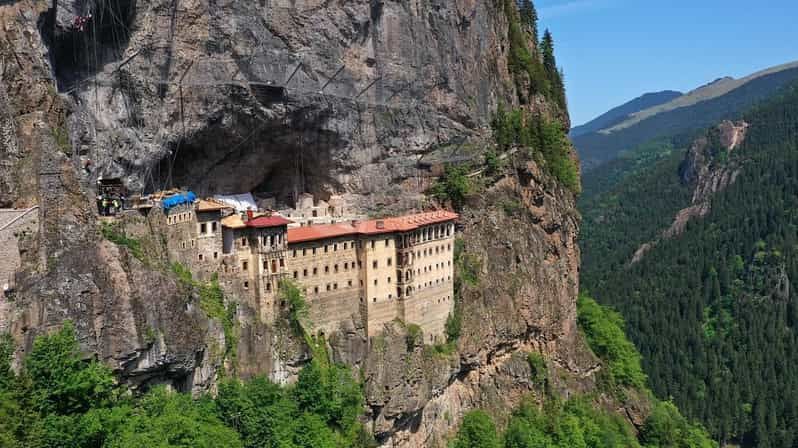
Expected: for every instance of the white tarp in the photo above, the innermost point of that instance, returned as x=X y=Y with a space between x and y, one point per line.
x=241 y=202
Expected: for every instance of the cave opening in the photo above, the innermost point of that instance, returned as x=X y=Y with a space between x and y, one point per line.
x=81 y=41
x=276 y=159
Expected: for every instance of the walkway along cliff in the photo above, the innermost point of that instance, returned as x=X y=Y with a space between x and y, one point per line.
x=370 y=100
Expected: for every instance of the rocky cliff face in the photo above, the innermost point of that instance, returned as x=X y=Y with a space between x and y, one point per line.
x=279 y=96
x=708 y=169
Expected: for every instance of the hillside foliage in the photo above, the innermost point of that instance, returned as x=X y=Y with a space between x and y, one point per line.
x=581 y=422
x=712 y=311
x=543 y=140
x=61 y=400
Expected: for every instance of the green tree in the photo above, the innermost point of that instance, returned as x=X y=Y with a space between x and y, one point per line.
x=604 y=331
x=454 y=186
x=477 y=431
x=529 y=17
x=166 y=419
x=667 y=428
x=61 y=381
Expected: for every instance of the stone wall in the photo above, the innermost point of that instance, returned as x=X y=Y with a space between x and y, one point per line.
x=328 y=273
x=379 y=276
x=13 y=223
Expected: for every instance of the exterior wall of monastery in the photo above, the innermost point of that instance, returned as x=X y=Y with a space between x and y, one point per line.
x=428 y=260
x=327 y=272
x=379 y=276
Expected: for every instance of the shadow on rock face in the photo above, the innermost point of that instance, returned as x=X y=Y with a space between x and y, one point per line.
x=84 y=35
x=242 y=153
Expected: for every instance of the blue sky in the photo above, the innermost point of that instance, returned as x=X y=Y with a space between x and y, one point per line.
x=615 y=50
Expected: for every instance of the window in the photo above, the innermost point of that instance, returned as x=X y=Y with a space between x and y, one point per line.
x=389 y=279
x=304 y=252
x=246 y=285
x=387 y=243
x=328 y=286
x=304 y=272
x=193 y=243
x=268 y=286
x=294 y=254
x=335 y=247
x=335 y=285
x=316 y=290
x=349 y=283
x=374 y=300
x=372 y=244
x=315 y=271
x=282 y=262
x=326 y=248
x=335 y=268
x=390 y=296
x=200 y=257
x=214 y=226
x=245 y=265
x=326 y=269
x=346 y=266
x=375 y=282
x=344 y=246
x=374 y=264
x=361 y=283
x=183 y=244
x=390 y=261
x=216 y=255
x=296 y=274
x=314 y=251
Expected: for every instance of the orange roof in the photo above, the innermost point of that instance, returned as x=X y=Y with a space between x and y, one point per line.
x=259 y=220
x=211 y=205
x=264 y=221
x=371 y=227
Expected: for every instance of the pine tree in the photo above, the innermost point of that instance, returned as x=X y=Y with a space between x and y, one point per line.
x=529 y=17
x=553 y=74
x=547 y=49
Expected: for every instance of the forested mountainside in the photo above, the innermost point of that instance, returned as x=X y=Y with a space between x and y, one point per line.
x=712 y=309
x=622 y=112
x=696 y=110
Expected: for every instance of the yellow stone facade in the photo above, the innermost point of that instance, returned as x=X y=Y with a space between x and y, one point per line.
x=363 y=273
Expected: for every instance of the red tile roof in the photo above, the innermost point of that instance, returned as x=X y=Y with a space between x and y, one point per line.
x=267 y=221
x=371 y=227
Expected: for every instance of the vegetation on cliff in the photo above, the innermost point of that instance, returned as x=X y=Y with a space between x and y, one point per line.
x=543 y=140
x=61 y=400
x=583 y=421
x=713 y=311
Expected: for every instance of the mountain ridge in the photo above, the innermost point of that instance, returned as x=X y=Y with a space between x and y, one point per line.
x=707 y=105
x=617 y=114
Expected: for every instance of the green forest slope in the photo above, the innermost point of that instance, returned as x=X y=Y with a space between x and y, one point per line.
x=712 y=311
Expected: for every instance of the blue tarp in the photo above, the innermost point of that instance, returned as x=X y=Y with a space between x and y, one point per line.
x=178 y=199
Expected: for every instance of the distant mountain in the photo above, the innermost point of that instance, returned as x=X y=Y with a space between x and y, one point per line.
x=700 y=108
x=623 y=112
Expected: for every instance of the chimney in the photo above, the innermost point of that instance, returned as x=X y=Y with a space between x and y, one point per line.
x=249 y=214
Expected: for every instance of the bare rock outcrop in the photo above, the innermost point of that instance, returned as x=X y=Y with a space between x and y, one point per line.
x=708 y=167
